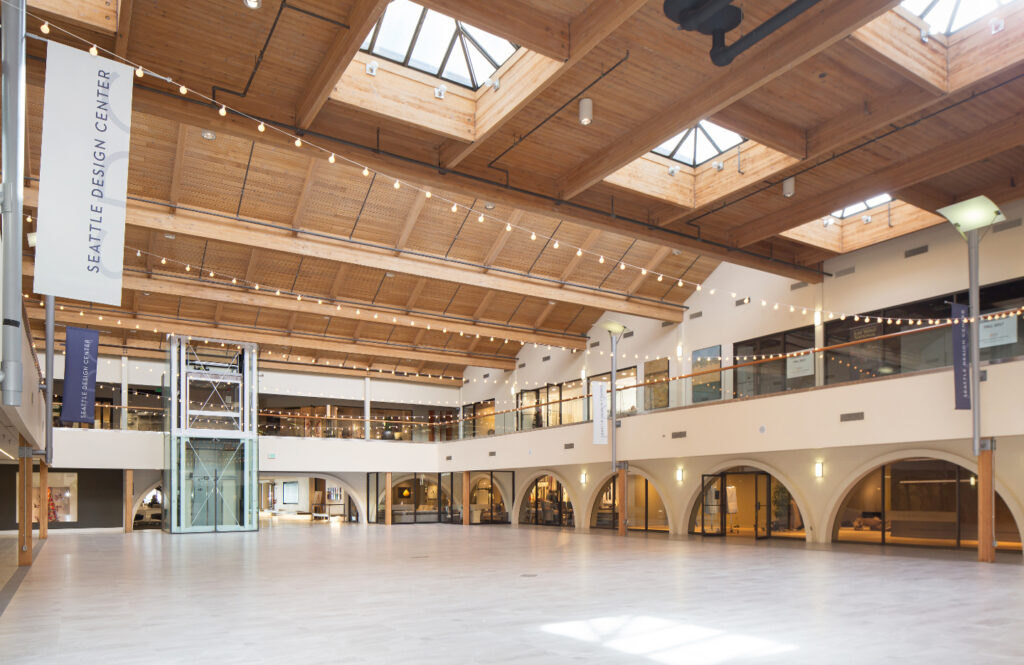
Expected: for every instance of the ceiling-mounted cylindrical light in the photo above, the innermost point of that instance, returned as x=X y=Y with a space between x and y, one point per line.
x=586 y=111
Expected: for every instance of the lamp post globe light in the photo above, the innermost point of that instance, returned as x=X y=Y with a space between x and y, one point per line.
x=969 y=217
x=615 y=330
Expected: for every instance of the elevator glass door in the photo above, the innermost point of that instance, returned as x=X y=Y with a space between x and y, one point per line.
x=213 y=484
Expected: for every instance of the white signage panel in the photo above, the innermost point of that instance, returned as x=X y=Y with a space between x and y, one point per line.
x=599 y=410
x=997 y=332
x=83 y=183
x=797 y=366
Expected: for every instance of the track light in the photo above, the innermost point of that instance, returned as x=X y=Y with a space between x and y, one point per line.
x=586 y=111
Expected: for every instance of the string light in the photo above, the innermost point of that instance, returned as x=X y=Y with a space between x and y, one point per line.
x=93 y=51
x=508 y=226
x=139 y=71
x=556 y=244
x=600 y=259
x=331 y=158
x=579 y=252
x=455 y=207
x=224 y=111
x=45 y=28
x=298 y=142
x=366 y=171
x=426 y=194
x=398 y=184
x=261 y=128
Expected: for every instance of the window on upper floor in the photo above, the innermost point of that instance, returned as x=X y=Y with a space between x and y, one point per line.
x=439 y=45
x=948 y=16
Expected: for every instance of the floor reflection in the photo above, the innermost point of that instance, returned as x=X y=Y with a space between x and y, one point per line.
x=666 y=641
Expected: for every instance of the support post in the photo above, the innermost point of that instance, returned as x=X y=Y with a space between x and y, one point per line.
x=620 y=480
x=24 y=502
x=465 y=498
x=129 y=495
x=48 y=368
x=986 y=463
x=44 y=499
x=387 y=497
x=366 y=420
x=124 y=392
x=12 y=99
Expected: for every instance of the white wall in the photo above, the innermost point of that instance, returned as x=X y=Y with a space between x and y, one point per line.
x=107 y=449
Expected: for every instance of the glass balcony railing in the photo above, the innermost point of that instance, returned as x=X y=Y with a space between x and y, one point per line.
x=915 y=346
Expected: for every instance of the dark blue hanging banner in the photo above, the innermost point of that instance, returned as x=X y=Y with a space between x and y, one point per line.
x=81 y=357
x=961 y=357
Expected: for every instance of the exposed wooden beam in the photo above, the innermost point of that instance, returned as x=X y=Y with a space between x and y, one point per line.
x=361 y=19
x=747 y=164
x=291 y=322
x=924 y=196
x=501 y=239
x=525 y=78
x=218 y=312
x=574 y=261
x=307 y=186
x=976 y=54
x=297 y=340
x=813 y=31
x=411 y=218
x=152 y=103
x=112 y=345
x=756 y=125
x=190 y=287
x=339 y=280
x=660 y=255
x=179 y=160
x=124 y=26
x=97 y=15
x=550 y=307
x=251 y=268
x=414 y=295
x=519 y=22
x=946 y=157
x=485 y=302
x=895 y=42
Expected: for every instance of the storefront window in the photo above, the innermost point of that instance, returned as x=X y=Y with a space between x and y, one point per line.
x=547 y=503
x=644 y=507
x=920 y=502
x=746 y=502
x=773 y=376
x=60 y=499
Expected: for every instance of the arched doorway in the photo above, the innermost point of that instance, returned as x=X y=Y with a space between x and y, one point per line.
x=644 y=506
x=547 y=503
x=919 y=501
x=748 y=502
x=487 y=503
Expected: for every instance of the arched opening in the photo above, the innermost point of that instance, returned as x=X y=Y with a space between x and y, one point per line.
x=645 y=510
x=319 y=498
x=419 y=498
x=747 y=502
x=547 y=503
x=149 y=510
x=920 y=501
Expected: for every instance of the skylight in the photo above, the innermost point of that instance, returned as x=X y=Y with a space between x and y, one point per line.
x=698 y=144
x=861 y=206
x=948 y=16
x=437 y=44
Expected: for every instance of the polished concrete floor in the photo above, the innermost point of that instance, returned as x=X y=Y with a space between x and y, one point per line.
x=303 y=593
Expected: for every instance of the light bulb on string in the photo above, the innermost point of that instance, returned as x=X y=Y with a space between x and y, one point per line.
x=398 y=184
x=182 y=89
x=426 y=194
x=366 y=171
x=455 y=207
x=643 y=271
x=556 y=244
x=508 y=226
x=139 y=72
x=261 y=128
x=45 y=28
x=331 y=159
x=298 y=142
x=579 y=251
x=660 y=277
x=533 y=235
x=600 y=259
x=223 y=110
x=163 y=261
x=93 y=51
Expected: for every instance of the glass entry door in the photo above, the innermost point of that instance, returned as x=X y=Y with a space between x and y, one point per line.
x=762 y=505
x=214 y=491
x=712 y=514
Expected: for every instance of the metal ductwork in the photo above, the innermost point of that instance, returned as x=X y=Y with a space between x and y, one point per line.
x=718 y=17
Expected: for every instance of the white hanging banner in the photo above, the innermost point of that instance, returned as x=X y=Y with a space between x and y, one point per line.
x=599 y=412
x=83 y=176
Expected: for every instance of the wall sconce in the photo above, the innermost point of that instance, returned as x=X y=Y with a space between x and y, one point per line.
x=819 y=469
x=583 y=477
x=679 y=475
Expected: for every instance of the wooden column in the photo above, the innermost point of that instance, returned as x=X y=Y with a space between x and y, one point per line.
x=44 y=499
x=129 y=491
x=465 y=498
x=387 y=498
x=25 y=505
x=986 y=508
x=620 y=494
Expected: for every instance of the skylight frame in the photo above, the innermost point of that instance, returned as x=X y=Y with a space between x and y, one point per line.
x=860 y=207
x=699 y=133
x=925 y=8
x=461 y=39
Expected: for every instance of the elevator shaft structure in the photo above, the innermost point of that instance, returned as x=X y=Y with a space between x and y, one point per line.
x=211 y=453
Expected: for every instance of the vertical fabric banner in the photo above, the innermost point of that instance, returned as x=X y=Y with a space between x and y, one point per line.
x=83 y=176
x=599 y=409
x=81 y=357
x=961 y=357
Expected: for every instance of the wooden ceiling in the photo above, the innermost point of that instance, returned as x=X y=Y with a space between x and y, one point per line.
x=847 y=98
